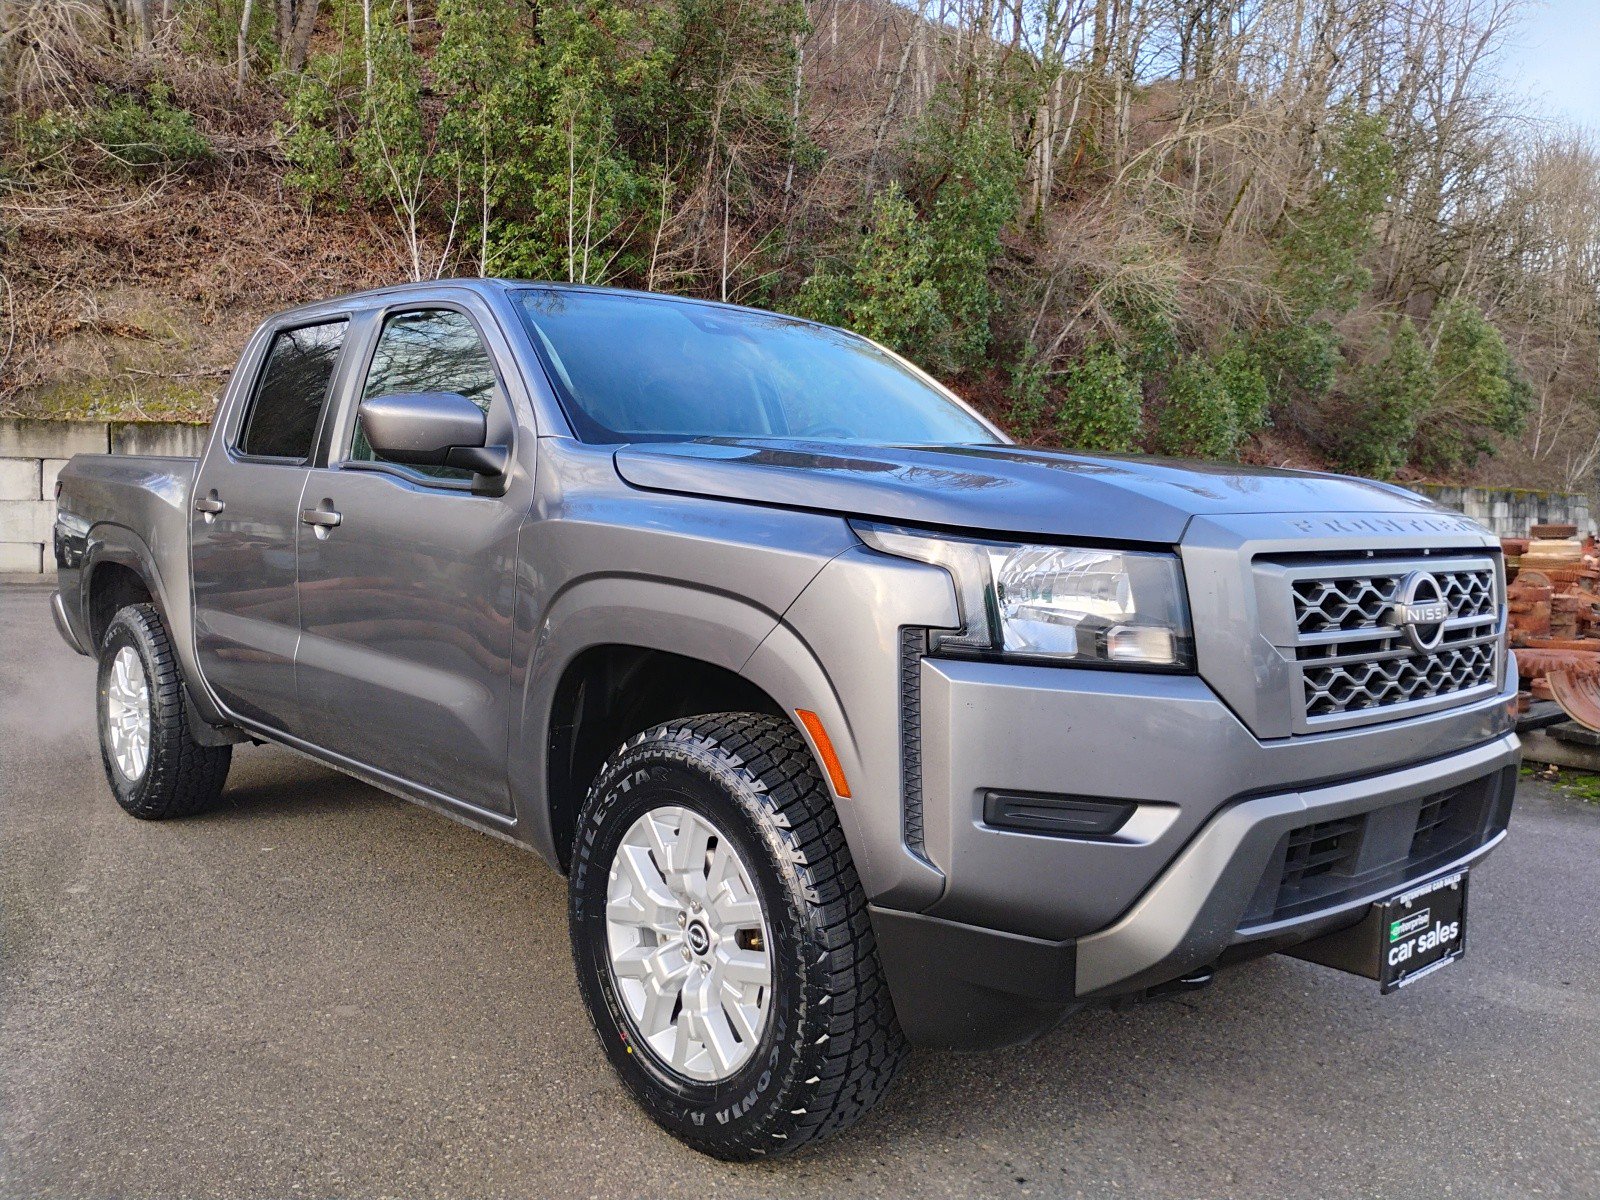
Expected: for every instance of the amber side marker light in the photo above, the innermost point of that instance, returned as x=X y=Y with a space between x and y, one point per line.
x=830 y=758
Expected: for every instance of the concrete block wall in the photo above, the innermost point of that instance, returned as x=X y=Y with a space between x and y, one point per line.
x=1510 y=511
x=32 y=453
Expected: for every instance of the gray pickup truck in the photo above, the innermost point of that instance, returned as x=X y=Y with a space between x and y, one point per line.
x=852 y=724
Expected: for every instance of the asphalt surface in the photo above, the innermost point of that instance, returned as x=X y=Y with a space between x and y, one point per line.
x=321 y=991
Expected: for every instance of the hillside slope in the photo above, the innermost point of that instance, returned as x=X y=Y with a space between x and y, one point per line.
x=1122 y=224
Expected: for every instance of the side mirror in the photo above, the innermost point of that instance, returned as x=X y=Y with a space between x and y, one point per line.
x=431 y=429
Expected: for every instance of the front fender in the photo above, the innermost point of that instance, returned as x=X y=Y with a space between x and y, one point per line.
x=650 y=613
x=838 y=652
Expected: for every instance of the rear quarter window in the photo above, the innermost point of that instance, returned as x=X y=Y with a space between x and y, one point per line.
x=291 y=392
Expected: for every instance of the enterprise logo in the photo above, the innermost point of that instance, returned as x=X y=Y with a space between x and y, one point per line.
x=1407 y=926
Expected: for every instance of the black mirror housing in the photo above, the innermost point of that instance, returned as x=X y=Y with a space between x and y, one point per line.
x=481 y=460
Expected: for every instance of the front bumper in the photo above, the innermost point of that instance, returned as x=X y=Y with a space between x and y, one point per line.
x=1201 y=905
x=1030 y=927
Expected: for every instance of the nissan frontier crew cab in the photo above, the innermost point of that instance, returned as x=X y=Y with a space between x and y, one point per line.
x=852 y=725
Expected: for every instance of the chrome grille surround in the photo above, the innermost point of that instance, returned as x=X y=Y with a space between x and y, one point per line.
x=1353 y=668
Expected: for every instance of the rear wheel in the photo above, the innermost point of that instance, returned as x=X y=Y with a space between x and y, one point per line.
x=155 y=767
x=722 y=942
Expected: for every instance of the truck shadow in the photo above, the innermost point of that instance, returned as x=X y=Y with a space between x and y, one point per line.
x=268 y=780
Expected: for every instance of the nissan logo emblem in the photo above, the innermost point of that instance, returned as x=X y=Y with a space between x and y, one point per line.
x=1420 y=611
x=699 y=937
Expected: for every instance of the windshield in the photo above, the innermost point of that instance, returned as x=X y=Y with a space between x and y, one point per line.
x=637 y=368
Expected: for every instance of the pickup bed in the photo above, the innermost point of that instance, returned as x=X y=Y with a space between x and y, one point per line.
x=853 y=725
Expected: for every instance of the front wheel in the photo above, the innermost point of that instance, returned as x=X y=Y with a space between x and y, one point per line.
x=155 y=767
x=722 y=942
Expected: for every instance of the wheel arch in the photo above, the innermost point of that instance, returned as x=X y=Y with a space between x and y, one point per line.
x=610 y=691
x=732 y=648
x=118 y=570
x=118 y=566
x=641 y=615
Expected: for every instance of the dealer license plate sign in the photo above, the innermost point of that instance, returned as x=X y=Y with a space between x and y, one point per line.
x=1422 y=930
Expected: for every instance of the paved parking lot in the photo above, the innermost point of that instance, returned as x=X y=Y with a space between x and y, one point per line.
x=323 y=991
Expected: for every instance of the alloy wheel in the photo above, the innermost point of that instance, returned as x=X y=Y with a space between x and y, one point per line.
x=128 y=713
x=688 y=944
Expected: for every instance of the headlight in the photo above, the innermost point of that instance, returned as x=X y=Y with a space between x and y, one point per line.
x=1055 y=603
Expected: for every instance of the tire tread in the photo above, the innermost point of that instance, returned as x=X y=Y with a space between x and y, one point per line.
x=864 y=1046
x=183 y=778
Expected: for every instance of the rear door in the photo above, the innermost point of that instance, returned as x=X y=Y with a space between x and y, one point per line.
x=406 y=603
x=245 y=520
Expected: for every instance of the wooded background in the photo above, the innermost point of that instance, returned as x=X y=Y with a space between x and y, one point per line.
x=1313 y=232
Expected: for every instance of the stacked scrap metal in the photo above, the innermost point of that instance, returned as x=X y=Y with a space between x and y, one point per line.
x=1554 y=598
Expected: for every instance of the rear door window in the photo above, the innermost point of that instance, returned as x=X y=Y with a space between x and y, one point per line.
x=292 y=391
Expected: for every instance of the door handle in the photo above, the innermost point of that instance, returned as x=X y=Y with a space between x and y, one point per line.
x=322 y=518
x=209 y=505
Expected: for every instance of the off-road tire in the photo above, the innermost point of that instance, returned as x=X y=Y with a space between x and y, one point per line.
x=182 y=777
x=831 y=1045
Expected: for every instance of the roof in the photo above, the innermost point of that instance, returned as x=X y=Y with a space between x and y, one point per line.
x=493 y=286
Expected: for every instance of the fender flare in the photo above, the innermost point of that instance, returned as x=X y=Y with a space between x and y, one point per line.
x=108 y=542
x=616 y=610
x=788 y=669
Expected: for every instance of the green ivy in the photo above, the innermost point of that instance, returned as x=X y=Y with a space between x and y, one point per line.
x=128 y=133
x=976 y=196
x=1481 y=392
x=1028 y=395
x=1197 y=419
x=1298 y=361
x=482 y=67
x=1322 y=251
x=1327 y=238
x=1384 y=405
x=1241 y=376
x=888 y=293
x=145 y=131
x=1102 y=404
x=308 y=139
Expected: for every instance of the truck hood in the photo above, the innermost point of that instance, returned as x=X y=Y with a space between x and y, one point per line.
x=998 y=489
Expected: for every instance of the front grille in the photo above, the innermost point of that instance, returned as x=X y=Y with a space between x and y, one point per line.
x=1358 y=602
x=1375 y=682
x=1354 y=666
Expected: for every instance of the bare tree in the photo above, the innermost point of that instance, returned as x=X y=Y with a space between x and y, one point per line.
x=296 y=21
x=244 y=45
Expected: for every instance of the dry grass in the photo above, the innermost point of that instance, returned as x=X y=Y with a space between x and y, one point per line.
x=135 y=298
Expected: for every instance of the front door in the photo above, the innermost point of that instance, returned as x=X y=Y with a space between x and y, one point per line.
x=244 y=522
x=406 y=603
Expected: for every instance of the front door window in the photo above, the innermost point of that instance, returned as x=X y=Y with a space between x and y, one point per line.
x=431 y=350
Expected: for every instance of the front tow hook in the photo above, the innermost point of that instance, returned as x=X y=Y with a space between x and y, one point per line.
x=1181 y=986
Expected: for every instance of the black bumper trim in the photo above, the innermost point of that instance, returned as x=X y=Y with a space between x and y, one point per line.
x=971 y=988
